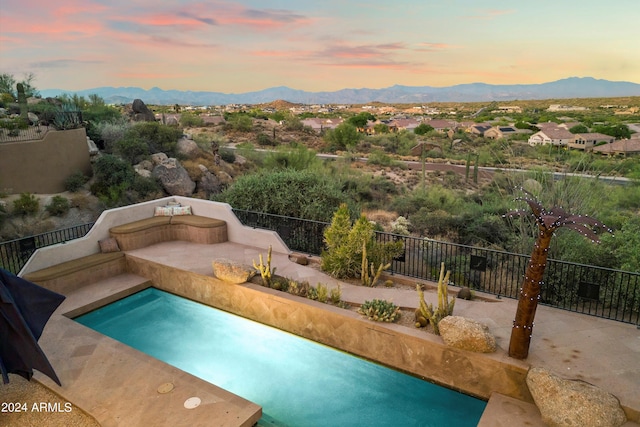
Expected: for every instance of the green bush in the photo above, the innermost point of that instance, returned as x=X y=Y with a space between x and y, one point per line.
x=191 y=120
x=110 y=132
x=26 y=204
x=155 y=136
x=58 y=206
x=301 y=194
x=113 y=177
x=380 y=310
x=227 y=155
x=297 y=157
x=345 y=135
x=131 y=149
x=344 y=246
x=75 y=181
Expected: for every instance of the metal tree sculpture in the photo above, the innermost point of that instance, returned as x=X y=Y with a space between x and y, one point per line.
x=547 y=221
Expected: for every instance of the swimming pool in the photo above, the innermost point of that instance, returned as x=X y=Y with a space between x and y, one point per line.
x=297 y=382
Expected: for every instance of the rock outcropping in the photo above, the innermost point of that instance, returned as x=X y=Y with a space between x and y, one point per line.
x=467 y=334
x=140 y=112
x=231 y=271
x=573 y=403
x=173 y=177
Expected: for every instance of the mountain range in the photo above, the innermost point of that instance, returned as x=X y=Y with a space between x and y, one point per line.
x=573 y=87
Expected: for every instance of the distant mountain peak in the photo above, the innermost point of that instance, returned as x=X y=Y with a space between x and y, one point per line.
x=570 y=87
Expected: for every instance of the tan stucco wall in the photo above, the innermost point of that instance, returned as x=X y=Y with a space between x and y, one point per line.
x=87 y=245
x=41 y=166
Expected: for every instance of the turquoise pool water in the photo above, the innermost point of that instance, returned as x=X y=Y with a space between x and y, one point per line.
x=297 y=382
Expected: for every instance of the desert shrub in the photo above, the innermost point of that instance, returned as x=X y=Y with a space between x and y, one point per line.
x=75 y=181
x=131 y=149
x=264 y=139
x=109 y=132
x=156 y=136
x=146 y=187
x=377 y=157
x=345 y=135
x=335 y=295
x=113 y=177
x=301 y=194
x=191 y=120
x=344 y=244
x=380 y=310
x=227 y=155
x=239 y=122
x=297 y=157
x=26 y=204
x=323 y=292
x=58 y=206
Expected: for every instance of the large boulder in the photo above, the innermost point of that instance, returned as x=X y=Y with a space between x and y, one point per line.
x=188 y=147
x=208 y=183
x=231 y=271
x=174 y=178
x=573 y=403
x=141 y=113
x=466 y=334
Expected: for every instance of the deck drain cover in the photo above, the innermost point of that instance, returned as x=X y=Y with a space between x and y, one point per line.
x=165 y=388
x=192 y=402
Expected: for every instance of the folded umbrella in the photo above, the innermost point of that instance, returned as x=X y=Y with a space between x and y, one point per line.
x=25 y=309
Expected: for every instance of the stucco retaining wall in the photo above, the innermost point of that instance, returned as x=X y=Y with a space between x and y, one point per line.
x=42 y=166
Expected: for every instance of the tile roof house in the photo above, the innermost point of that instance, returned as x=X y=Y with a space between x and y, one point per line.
x=441 y=125
x=318 y=124
x=499 y=132
x=552 y=135
x=623 y=147
x=397 y=125
x=479 y=128
x=586 y=141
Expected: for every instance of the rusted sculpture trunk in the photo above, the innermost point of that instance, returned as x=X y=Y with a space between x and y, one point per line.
x=529 y=297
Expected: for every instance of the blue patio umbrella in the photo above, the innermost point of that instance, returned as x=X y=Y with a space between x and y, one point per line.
x=25 y=308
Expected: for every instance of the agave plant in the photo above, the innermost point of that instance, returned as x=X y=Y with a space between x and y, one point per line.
x=547 y=221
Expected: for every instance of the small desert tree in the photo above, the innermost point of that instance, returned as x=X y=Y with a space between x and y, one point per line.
x=547 y=221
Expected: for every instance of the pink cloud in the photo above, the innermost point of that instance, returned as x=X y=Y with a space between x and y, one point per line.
x=491 y=14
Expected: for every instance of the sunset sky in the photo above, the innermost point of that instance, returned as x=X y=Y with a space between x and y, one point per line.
x=248 y=45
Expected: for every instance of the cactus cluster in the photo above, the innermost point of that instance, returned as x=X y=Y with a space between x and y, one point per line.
x=368 y=274
x=426 y=313
x=380 y=310
x=265 y=270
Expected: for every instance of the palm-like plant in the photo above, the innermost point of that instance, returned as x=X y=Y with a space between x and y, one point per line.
x=547 y=221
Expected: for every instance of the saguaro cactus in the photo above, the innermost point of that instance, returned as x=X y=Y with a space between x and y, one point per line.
x=22 y=102
x=548 y=221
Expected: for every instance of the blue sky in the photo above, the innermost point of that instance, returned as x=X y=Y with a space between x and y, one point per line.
x=242 y=46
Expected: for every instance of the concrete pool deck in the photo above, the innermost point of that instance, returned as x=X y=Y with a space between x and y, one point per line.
x=119 y=386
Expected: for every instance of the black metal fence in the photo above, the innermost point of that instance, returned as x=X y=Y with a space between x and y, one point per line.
x=27 y=134
x=597 y=291
x=14 y=254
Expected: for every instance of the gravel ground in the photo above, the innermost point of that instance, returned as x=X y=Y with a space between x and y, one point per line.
x=29 y=404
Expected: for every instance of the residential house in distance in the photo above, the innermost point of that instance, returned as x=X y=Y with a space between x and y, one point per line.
x=623 y=147
x=508 y=109
x=558 y=107
x=499 y=132
x=478 y=128
x=442 y=126
x=318 y=124
x=397 y=125
x=586 y=141
x=552 y=135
